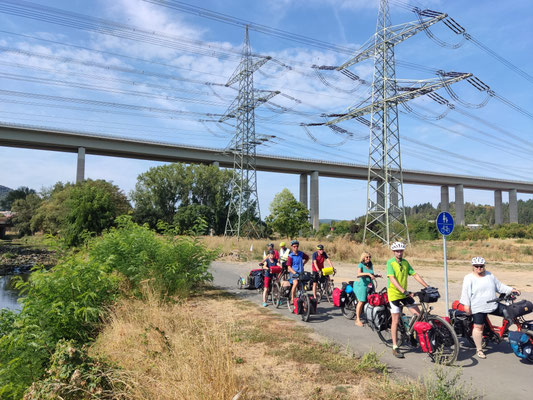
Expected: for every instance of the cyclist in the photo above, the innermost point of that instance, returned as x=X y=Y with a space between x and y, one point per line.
x=319 y=256
x=479 y=287
x=398 y=270
x=270 y=246
x=295 y=263
x=365 y=273
x=271 y=261
x=283 y=254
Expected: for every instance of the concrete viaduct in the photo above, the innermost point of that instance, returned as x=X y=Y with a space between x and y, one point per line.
x=83 y=143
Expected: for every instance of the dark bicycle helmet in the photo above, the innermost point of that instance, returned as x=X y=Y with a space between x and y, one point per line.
x=295 y=242
x=271 y=252
x=320 y=247
x=271 y=245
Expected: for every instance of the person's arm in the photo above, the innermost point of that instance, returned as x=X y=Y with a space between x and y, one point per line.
x=466 y=295
x=329 y=262
x=501 y=288
x=360 y=272
x=305 y=258
x=396 y=284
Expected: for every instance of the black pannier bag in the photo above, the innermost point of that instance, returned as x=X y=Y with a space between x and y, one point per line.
x=429 y=295
x=462 y=323
x=518 y=309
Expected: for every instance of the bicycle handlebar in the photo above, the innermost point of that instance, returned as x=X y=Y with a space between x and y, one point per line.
x=504 y=297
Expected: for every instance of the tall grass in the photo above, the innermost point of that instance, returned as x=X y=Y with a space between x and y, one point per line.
x=343 y=249
x=170 y=352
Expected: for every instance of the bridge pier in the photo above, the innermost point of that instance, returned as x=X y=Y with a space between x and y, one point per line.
x=216 y=164
x=444 y=198
x=459 y=204
x=80 y=169
x=314 y=200
x=498 y=214
x=303 y=190
x=513 y=206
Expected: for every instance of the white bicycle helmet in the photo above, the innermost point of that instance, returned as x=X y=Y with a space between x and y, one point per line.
x=478 y=261
x=397 y=246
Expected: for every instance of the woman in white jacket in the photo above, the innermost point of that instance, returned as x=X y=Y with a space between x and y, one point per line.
x=479 y=287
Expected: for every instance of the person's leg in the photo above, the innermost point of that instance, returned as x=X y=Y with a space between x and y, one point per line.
x=477 y=335
x=293 y=289
x=314 y=289
x=395 y=309
x=358 y=309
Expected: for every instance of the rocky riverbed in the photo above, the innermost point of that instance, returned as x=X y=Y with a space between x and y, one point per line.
x=20 y=259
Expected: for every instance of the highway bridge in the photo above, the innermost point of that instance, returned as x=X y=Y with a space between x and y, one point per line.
x=86 y=143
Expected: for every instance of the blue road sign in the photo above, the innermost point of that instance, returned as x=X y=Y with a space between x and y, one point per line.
x=445 y=223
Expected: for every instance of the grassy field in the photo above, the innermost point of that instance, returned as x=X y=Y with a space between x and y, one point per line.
x=506 y=251
x=216 y=346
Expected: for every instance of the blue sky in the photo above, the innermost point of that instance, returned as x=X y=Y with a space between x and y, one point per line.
x=492 y=141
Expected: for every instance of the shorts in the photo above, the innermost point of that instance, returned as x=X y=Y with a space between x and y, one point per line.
x=318 y=277
x=480 y=317
x=268 y=276
x=395 y=305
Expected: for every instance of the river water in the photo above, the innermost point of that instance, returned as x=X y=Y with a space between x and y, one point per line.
x=8 y=295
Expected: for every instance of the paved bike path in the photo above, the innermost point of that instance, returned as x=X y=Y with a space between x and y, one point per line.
x=501 y=374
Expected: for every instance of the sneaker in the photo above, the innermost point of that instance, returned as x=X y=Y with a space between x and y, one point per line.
x=264 y=305
x=397 y=353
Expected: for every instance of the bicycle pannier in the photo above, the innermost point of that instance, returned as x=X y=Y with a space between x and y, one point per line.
x=376 y=317
x=258 y=278
x=462 y=323
x=518 y=309
x=336 y=297
x=312 y=304
x=424 y=332
x=522 y=345
x=429 y=295
x=298 y=306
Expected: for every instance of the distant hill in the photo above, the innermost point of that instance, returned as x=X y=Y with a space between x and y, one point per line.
x=4 y=190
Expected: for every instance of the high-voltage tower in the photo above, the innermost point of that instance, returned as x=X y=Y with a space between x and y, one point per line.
x=244 y=202
x=385 y=215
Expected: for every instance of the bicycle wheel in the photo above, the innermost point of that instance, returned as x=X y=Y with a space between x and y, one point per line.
x=385 y=335
x=445 y=340
x=290 y=305
x=276 y=294
x=328 y=291
x=306 y=307
x=239 y=283
x=349 y=308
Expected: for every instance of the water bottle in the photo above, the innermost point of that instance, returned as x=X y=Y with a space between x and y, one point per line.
x=405 y=321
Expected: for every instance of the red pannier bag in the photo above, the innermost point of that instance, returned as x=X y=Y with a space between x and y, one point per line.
x=298 y=305
x=377 y=299
x=424 y=332
x=276 y=269
x=458 y=306
x=336 y=297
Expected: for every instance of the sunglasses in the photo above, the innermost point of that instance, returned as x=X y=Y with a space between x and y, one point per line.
x=479 y=266
x=295 y=245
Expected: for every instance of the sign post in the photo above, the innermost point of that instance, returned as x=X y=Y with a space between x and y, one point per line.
x=445 y=226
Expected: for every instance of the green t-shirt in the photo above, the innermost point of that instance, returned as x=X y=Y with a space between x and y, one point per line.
x=401 y=272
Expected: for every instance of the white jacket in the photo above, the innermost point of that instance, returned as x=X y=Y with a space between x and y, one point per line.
x=477 y=290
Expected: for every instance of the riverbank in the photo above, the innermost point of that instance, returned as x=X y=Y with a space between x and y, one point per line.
x=18 y=259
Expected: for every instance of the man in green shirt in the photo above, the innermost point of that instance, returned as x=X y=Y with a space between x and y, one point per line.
x=398 y=270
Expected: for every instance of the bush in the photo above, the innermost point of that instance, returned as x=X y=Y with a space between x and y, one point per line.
x=170 y=265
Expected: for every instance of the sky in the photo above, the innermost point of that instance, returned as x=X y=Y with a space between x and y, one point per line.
x=140 y=69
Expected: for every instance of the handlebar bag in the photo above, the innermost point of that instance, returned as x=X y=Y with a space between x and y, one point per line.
x=424 y=332
x=377 y=299
x=522 y=345
x=429 y=295
x=327 y=271
x=518 y=309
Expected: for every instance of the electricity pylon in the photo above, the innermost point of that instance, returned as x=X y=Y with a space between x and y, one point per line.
x=385 y=215
x=244 y=201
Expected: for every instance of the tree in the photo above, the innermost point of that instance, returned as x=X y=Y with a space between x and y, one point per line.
x=177 y=193
x=24 y=210
x=287 y=215
x=13 y=195
x=73 y=211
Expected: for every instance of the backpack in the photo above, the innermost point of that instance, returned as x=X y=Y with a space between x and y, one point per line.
x=522 y=345
x=424 y=332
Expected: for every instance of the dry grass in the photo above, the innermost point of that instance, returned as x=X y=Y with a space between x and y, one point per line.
x=340 y=249
x=216 y=346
